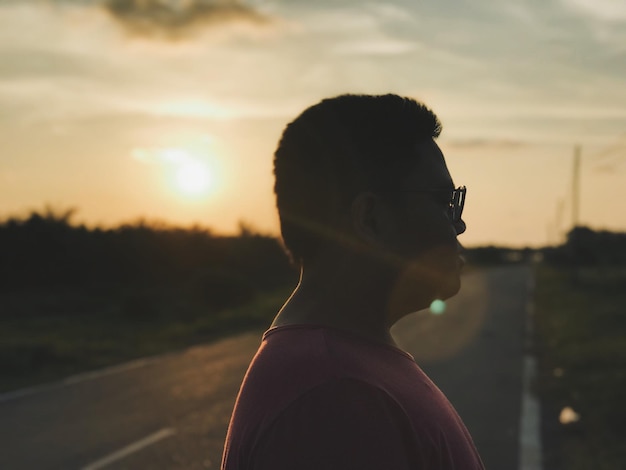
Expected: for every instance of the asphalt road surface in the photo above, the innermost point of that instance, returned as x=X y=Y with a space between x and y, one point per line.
x=172 y=411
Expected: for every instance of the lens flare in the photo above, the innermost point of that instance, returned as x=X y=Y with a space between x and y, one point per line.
x=437 y=307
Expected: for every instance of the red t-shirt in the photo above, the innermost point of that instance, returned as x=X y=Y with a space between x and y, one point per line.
x=318 y=398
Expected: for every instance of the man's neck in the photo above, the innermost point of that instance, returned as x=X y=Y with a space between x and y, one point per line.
x=355 y=306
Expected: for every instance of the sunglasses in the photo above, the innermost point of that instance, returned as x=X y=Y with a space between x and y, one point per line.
x=455 y=198
x=457 y=202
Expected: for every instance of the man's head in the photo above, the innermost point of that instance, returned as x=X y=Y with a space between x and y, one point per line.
x=356 y=172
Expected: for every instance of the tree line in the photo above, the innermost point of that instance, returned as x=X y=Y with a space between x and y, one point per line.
x=45 y=251
x=587 y=247
x=144 y=261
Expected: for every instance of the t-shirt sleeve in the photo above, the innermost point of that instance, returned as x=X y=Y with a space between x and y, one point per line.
x=343 y=424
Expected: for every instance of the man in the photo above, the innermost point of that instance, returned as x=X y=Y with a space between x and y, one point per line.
x=369 y=212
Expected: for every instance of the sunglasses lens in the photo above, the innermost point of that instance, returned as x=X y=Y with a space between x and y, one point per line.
x=457 y=203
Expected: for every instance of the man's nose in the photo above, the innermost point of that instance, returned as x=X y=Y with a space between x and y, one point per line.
x=460 y=227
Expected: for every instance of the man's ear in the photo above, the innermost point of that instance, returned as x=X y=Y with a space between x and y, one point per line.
x=368 y=217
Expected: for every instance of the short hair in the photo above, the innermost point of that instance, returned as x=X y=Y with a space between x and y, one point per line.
x=336 y=149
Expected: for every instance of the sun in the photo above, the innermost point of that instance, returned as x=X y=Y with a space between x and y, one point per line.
x=190 y=172
x=193 y=178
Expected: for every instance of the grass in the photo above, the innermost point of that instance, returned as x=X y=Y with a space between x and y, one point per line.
x=581 y=328
x=41 y=342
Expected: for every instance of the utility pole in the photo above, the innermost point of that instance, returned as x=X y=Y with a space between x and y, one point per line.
x=576 y=188
x=559 y=236
x=574 y=246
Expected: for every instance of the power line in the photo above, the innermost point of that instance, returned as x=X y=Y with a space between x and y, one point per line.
x=607 y=158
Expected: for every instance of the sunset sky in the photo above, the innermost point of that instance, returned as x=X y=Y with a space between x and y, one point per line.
x=171 y=110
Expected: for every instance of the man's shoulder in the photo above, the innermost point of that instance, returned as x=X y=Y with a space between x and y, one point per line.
x=293 y=361
x=310 y=355
x=306 y=385
x=342 y=401
x=332 y=422
x=312 y=342
x=289 y=352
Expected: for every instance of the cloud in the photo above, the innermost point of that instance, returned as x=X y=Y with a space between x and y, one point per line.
x=177 y=19
x=175 y=156
x=375 y=47
x=361 y=31
x=605 y=10
x=606 y=169
x=472 y=144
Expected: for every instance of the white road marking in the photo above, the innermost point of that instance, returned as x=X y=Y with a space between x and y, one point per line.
x=130 y=449
x=530 y=452
x=530 y=422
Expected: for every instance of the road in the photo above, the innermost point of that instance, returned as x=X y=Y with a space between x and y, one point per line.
x=474 y=353
x=172 y=411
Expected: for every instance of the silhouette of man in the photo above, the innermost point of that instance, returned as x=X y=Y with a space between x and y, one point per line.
x=369 y=212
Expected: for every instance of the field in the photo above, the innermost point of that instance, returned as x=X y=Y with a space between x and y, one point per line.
x=74 y=298
x=581 y=328
x=64 y=333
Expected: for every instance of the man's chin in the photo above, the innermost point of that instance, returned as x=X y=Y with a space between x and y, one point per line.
x=451 y=288
x=416 y=289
